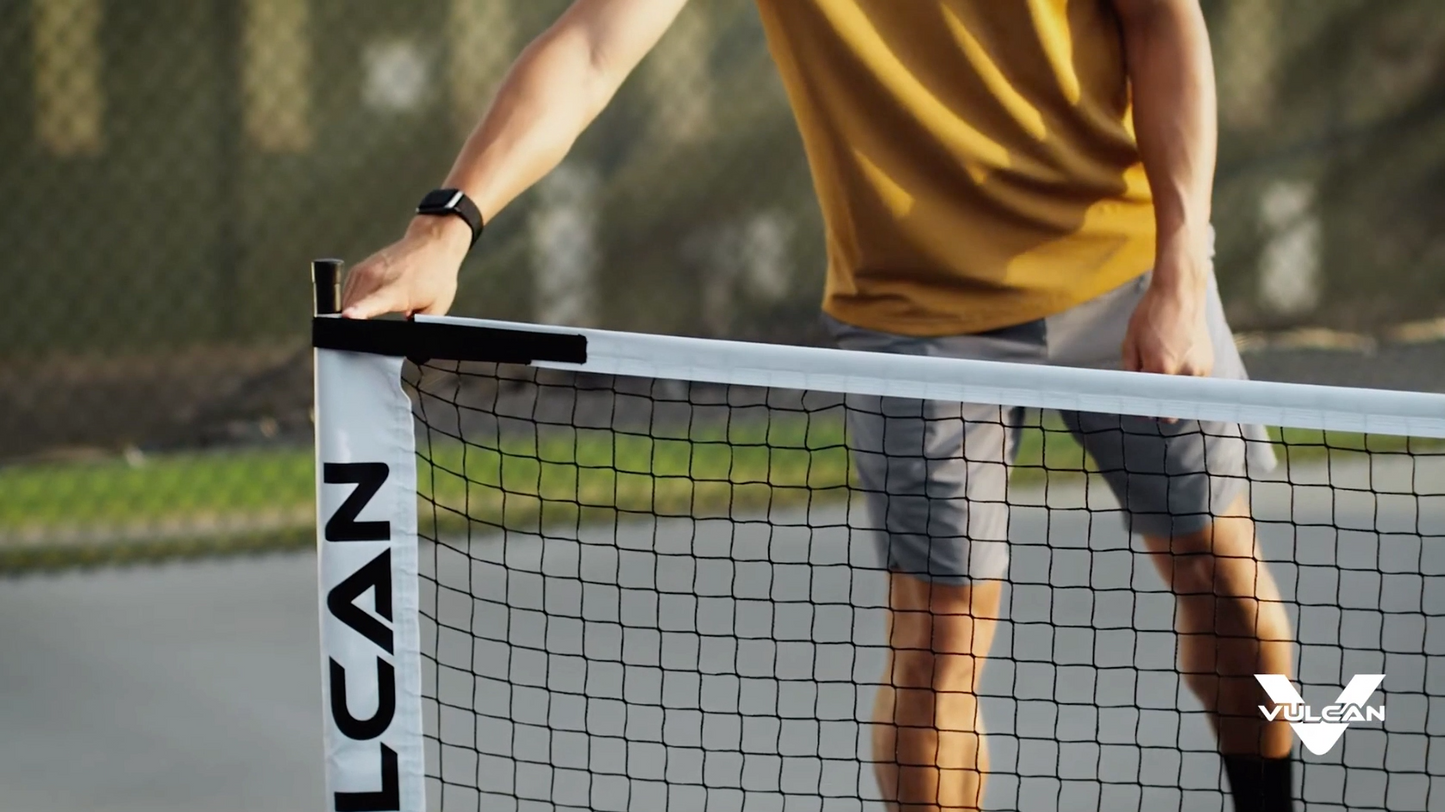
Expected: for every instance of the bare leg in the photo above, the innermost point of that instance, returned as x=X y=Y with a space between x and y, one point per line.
x=1232 y=625
x=928 y=747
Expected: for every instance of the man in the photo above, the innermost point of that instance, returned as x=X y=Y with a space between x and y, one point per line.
x=1021 y=180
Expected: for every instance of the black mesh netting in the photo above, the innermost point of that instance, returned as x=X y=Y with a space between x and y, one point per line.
x=646 y=594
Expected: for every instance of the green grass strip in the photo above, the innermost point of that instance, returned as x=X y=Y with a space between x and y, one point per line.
x=78 y=513
x=115 y=492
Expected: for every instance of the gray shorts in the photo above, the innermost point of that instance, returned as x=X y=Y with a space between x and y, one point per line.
x=935 y=474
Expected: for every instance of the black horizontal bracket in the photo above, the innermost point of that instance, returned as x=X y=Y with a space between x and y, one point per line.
x=424 y=341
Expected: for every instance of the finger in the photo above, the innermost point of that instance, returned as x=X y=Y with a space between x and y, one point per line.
x=1162 y=363
x=356 y=285
x=365 y=278
x=347 y=287
x=376 y=303
x=1193 y=369
x=350 y=300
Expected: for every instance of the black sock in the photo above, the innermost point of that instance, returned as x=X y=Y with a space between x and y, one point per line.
x=1261 y=784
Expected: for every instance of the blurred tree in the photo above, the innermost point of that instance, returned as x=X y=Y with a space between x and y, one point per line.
x=1355 y=113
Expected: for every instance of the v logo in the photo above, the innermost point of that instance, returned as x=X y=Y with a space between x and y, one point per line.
x=1319 y=737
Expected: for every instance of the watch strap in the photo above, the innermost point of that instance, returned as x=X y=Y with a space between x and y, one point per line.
x=454 y=202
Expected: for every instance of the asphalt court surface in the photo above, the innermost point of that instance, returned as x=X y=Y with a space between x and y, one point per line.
x=719 y=666
x=182 y=687
x=726 y=665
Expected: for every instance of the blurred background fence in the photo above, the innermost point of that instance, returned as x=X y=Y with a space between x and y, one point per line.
x=171 y=167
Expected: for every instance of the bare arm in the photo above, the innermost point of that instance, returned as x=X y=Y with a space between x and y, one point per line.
x=561 y=82
x=1171 y=73
x=554 y=90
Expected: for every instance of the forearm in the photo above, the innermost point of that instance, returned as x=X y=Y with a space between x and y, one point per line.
x=1171 y=73
x=557 y=87
x=554 y=90
x=545 y=102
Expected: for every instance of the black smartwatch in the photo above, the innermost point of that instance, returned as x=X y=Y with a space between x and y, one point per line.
x=453 y=202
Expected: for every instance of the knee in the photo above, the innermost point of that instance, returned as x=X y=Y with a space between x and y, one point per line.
x=933 y=695
x=939 y=634
x=950 y=674
x=1193 y=572
x=1229 y=598
x=1220 y=560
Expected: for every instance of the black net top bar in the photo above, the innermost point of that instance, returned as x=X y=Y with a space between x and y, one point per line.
x=421 y=341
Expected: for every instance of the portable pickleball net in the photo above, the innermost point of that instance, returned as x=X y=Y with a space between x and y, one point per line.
x=582 y=569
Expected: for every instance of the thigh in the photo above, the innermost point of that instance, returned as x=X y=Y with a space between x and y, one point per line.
x=934 y=474
x=1171 y=478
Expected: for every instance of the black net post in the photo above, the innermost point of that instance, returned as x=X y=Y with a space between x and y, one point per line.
x=326 y=277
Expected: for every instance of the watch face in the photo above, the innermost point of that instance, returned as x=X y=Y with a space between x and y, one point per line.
x=452 y=202
x=439 y=200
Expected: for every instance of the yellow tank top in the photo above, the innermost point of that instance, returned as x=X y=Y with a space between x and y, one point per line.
x=975 y=160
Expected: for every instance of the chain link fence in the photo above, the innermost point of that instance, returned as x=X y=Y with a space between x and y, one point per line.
x=171 y=168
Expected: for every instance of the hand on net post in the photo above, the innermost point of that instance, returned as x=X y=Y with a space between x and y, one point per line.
x=416 y=274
